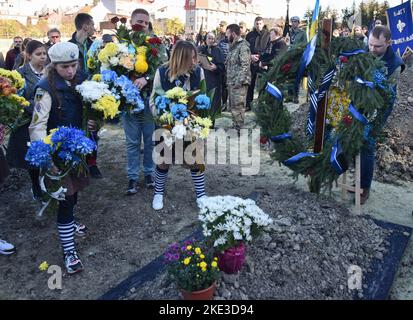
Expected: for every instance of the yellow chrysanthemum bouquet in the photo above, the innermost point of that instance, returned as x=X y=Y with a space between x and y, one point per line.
x=338 y=102
x=11 y=103
x=99 y=101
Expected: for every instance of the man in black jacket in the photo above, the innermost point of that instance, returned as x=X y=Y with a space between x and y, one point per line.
x=85 y=29
x=258 y=40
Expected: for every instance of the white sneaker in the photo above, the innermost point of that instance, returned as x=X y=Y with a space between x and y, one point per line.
x=6 y=248
x=157 y=203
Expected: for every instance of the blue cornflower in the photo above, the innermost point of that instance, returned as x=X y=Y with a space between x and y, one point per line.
x=202 y=102
x=179 y=111
x=39 y=155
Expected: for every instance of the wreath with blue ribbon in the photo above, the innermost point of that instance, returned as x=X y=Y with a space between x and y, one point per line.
x=346 y=65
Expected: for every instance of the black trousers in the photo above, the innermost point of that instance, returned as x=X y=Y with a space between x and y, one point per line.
x=65 y=211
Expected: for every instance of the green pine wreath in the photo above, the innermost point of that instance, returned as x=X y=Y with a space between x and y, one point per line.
x=372 y=102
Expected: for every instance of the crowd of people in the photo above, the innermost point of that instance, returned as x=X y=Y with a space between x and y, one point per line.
x=235 y=59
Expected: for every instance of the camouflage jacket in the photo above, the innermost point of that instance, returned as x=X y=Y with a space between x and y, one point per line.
x=238 y=63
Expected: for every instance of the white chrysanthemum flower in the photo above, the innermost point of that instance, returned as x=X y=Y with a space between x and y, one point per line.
x=179 y=131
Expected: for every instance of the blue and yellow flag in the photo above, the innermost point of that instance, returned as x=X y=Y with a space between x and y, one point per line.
x=310 y=49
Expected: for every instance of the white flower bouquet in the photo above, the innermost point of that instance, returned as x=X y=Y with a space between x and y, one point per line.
x=228 y=220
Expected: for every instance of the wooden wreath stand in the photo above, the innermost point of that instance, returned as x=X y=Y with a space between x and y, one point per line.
x=345 y=187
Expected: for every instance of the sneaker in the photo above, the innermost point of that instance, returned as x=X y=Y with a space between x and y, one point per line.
x=95 y=172
x=157 y=203
x=72 y=262
x=80 y=229
x=150 y=184
x=132 y=187
x=6 y=248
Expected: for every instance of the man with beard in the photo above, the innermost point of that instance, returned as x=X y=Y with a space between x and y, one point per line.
x=13 y=52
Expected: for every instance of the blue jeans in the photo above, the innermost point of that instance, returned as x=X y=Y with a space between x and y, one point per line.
x=136 y=126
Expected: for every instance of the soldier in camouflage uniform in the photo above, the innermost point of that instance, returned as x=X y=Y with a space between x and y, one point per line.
x=238 y=74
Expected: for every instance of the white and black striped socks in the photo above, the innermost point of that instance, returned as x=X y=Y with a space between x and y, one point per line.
x=160 y=180
x=199 y=181
x=66 y=234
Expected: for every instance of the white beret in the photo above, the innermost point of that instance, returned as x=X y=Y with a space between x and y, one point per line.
x=63 y=52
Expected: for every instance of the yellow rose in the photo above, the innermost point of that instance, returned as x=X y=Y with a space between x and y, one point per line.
x=141 y=66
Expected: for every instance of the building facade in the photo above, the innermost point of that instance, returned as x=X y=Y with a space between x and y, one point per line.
x=209 y=13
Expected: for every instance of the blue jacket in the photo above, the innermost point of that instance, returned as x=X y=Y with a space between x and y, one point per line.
x=67 y=107
x=195 y=79
x=393 y=61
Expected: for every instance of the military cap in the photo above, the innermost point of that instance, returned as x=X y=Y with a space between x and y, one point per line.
x=295 y=18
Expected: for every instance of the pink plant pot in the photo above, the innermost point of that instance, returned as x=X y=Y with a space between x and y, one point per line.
x=231 y=260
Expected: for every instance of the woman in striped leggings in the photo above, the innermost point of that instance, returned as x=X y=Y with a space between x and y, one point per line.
x=182 y=70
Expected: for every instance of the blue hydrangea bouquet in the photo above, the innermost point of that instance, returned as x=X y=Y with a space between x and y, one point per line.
x=123 y=90
x=184 y=113
x=59 y=155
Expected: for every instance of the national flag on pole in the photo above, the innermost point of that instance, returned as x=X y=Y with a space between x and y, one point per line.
x=310 y=49
x=314 y=21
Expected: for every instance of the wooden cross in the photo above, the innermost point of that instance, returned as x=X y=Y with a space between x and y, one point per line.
x=322 y=104
x=320 y=127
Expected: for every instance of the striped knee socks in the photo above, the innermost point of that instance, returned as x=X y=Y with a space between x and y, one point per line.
x=160 y=180
x=199 y=181
x=66 y=234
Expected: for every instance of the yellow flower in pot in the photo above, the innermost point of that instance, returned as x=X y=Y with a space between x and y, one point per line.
x=194 y=268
